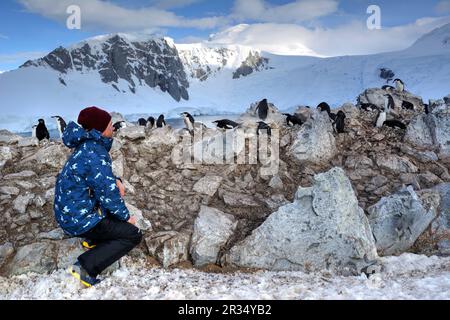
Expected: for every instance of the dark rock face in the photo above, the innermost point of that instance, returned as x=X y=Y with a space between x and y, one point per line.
x=154 y=63
x=254 y=62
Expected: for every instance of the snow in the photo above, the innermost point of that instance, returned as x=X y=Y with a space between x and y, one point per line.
x=406 y=277
x=28 y=94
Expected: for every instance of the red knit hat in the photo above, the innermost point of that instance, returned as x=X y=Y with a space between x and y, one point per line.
x=94 y=118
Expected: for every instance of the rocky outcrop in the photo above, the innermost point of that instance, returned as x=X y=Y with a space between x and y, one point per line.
x=432 y=130
x=253 y=63
x=376 y=96
x=322 y=229
x=397 y=221
x=170 y=248
x=212 y=229
x=315 y=141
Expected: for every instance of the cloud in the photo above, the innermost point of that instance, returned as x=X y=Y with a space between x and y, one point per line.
x=2 y=36
x=293 y=12
x=172 y=4
x=19 y=58
x=353 y=38
x=443 y=7
x=112 y=17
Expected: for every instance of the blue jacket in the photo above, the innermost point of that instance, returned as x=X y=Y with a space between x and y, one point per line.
x=86 y=188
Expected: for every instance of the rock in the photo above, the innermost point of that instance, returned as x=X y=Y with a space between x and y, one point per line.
x=208 y=185
x=132 y=133
x=22 y=219
x=441 y=225
x=431 y=130
x=358 y=162
x=324 y=229
x=397 y=221
x=428 y=180
x=34 y=215
x=276 y=183
x=238 y=199
x=9 y=137
x=118 y=166
x=29 y=142
x=350 y=110
x=376 y=96
x=5 y=156
x=56 y=234
x=276 y=201
x=21 y=203
x=315 y=141
x=141 y=222
x=396 y=164
x=160 y=137
x=37 y=258
x=12 y=191
x=54 y=156
x=212 y=229
x=423 y=156
x=444 y=247
x=6 y=251
x=169 y=248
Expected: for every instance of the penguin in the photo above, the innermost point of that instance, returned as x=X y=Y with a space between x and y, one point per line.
x=381 y=118
x=407 y=105
x=339 y=123
x=33 y=134
x=262 y=126
x=226 y=124
x=326 y=107
x=399 y=85
x=189 y=121
x=61 y=125
x=292 y=120
x=142 y=122
x=161 y=123
x=119 y=125
x=263 y=109
x=388 y=88
x=151 y=122
x=382 y=121
x=41 y=131
x=395 y=124
x=389 y=103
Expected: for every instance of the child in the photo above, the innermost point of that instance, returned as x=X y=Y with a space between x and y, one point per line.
x=88 y=197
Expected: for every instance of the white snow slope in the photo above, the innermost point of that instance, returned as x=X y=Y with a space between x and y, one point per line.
x=406 y=277
x=29 y=93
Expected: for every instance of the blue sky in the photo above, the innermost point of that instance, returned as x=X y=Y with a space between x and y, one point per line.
x=31 y=28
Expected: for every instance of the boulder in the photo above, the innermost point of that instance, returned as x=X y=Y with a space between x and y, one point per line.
x=376 y=96
x=141 y=222
x=441 y=225
x=160 y=137
x=118 y=165
x=5 y=156
x=212 y=229
x=235 y=199
x=12 y=191
x=21 y=175
x=169 y=247
x=9 y=137
x=6 y=251
x=208 y=185
x=22 y=201
x=396 y=164
x=56 y=234
x=323 y=229
x=53 y=155
x=397 y=221
x=29 y=142
x=431 y=130
x=132 y=133
x=315 y=141
x=37 y=257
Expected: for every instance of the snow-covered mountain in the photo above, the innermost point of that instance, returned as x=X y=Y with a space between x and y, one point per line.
x=149 y=75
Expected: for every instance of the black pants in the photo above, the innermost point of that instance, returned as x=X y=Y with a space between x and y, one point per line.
x=114 y=239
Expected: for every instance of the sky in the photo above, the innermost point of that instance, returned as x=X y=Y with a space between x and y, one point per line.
x=30 y=29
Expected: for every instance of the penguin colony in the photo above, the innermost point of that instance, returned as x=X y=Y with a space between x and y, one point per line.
x=262 y=111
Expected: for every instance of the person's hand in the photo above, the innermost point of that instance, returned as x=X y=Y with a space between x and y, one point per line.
x=121 y=188
x=132 y=220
